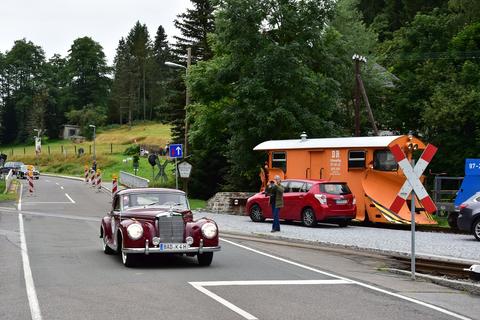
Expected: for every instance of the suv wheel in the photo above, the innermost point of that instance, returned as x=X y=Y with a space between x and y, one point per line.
x=476 y=229
x=256 y=213
x=308 y=217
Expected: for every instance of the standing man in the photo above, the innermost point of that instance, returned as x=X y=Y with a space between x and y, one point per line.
x=275 y=190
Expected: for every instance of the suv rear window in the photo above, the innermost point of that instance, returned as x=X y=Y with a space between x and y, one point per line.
x=335 y=188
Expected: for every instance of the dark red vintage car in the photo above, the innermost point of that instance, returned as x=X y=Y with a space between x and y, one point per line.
x=308 y=201
x=156 y=221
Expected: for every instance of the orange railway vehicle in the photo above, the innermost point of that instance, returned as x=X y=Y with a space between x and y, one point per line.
x=365 y=163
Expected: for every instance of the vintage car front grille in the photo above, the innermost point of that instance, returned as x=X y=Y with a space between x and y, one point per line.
x=170 y=229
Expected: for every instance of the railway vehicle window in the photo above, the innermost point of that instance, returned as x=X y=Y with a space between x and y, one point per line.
x=279 y=160
x=383 y=160
x=356 y=159
x=335 y=188
x=296 y=186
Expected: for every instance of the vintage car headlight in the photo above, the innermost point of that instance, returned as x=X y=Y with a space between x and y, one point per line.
x=209 y=230
x=135 y=231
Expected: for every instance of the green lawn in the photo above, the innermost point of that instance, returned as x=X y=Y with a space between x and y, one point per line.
x=8 y=196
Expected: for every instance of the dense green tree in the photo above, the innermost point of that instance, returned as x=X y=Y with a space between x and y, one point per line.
x=266 y=81
x=88 y=73
x=194 y=25
x=23 y=71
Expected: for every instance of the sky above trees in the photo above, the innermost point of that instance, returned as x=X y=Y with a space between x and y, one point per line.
x=55 y=24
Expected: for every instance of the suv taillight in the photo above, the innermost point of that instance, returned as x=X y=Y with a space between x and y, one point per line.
x=321 y=198
x=354 y=202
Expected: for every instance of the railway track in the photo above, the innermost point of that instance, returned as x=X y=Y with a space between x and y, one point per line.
x=451 y=270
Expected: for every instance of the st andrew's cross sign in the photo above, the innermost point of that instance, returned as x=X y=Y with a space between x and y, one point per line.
x=413 y=178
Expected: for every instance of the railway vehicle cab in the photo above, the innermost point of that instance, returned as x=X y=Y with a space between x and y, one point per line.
x=366 y=164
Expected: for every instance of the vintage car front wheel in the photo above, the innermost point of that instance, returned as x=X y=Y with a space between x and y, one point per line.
x=128 y=259
x=105 y=247
x=205 y=259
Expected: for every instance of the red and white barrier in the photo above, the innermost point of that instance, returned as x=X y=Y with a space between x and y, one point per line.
x=30 y=182
x=86 y=174
x=93 y=179
x=114 y=185
x=413 y=182
x=99 y=181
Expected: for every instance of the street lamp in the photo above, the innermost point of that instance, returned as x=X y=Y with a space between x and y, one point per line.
x=187 y=94
x=94 y=154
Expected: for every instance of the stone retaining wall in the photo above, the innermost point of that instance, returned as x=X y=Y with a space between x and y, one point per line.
x=228 y=202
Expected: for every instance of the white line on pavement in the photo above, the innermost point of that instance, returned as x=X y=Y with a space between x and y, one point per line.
x=47 y=180
x=427 y=305
x=69 y=198
x=200 y=287
x=57 y=183
x=27 y=271
x=19 y=204
x=226 y=303
x=61 y=188
x=47 y=202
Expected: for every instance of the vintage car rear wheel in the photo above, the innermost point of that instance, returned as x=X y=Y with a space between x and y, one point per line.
x=205 y=259
x=308 y=217
x=256 y=213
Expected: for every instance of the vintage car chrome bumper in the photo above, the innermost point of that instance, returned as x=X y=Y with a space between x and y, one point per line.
x=147 y=249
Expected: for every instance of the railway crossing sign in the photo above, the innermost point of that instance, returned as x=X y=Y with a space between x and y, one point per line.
x=413 y=178
x=175 y=151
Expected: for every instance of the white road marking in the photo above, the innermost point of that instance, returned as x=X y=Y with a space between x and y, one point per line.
x=57 y=183
x=267 y=282
x=47 y=202
x=424 y=304
x=69 y=198
x=61 y=188
x=47 y=180
x=19 y=204
x=200 y=286
x=27 y=271
x=53 y=215
x=226 y=303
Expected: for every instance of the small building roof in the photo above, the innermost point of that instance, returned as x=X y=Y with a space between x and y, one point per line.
x=348 y=142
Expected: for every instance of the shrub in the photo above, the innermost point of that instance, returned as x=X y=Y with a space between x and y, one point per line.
x=132 y=150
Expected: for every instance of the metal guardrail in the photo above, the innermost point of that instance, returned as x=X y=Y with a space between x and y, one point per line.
x=132 y=181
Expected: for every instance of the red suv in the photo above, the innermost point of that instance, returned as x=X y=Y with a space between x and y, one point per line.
x=308 y=201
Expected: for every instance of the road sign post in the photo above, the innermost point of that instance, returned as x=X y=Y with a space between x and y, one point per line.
x=175 y=151
x=184 y=169
x=413 y=186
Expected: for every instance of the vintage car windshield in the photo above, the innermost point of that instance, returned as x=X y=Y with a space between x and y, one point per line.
x=150 y=199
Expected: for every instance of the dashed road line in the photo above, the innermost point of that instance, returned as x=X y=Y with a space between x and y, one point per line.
x=69 y=198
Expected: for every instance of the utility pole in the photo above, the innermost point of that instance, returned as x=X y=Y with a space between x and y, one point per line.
x=187 y=99
x=359 y=87
x=357 y=97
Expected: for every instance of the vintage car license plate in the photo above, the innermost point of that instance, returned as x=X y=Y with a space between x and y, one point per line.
x=342 y=201
x=173 y=246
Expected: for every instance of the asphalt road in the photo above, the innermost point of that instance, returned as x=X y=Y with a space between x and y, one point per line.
x=52 y=267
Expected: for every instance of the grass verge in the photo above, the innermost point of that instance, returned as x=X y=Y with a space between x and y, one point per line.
x=6 y=196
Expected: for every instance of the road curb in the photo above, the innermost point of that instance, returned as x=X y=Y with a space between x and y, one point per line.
x=454 y=284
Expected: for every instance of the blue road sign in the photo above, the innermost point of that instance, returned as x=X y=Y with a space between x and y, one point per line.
x=175 y=151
